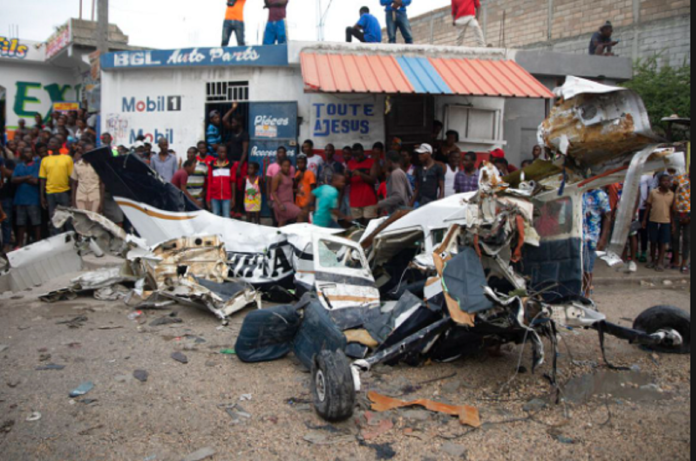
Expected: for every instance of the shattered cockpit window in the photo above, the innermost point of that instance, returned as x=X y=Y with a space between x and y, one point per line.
x=334 y=255
x=555 y=218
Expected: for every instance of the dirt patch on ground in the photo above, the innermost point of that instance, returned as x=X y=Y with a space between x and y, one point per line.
x=264 y=412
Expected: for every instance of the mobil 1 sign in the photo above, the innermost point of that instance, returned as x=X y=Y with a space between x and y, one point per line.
x=150 y=115
x=347 y=119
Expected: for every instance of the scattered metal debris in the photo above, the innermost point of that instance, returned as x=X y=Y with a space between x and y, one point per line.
x=467 y=415
x=35 y=416
x=50 y=366
x=82 y=389
x=179 y=357
x=200 y=455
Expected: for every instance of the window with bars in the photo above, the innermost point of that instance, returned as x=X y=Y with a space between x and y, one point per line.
x=227 y=92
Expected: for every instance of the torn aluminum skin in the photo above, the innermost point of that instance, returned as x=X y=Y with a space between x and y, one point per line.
x=104 y=283
x=36 y=264
x=192 y=271
x=105 y=234
x=595 y=124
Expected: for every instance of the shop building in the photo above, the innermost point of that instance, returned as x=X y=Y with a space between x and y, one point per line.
x=337 y=93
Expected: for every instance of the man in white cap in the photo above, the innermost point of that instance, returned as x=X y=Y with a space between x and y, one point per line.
x=430 y=178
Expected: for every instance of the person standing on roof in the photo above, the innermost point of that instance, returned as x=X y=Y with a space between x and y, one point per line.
x=276 y=29
x=465 y=14
x=234 y=22
x=398 y=18
x=367 y=30
x=601 y=43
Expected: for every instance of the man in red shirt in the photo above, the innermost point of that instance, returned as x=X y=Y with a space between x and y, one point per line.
x=221 y=185
x=363 y=178
x=464 y=14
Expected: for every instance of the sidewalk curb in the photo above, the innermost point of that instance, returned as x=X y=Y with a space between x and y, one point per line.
x=677 y=280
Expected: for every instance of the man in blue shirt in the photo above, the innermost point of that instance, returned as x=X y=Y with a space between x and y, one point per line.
x=27 y=200
x=397 y=18
x=367 y=29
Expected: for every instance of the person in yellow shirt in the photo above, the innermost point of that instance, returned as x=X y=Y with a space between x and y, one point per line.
x=54 y=176
x=234 y=22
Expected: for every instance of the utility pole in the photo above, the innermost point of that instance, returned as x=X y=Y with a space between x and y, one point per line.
x=320 y=25
x=103 y=26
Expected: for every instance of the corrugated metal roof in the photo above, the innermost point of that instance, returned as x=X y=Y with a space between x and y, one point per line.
x=351 y=73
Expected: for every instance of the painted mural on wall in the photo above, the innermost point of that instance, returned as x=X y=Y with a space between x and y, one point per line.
x=35 y=97
x=344 y=120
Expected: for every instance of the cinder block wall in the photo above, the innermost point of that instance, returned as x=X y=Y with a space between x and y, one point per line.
x=645 y=27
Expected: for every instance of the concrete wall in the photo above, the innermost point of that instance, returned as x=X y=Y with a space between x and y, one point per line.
x=186 y=126
x=645 y=27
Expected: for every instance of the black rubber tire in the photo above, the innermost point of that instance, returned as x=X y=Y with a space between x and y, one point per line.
x=332 y=386
x=665 y=317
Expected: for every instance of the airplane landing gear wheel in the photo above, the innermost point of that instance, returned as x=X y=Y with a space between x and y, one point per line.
x=332 y=386
x=666 y=318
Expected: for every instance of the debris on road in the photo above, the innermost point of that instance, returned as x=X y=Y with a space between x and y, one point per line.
x=35 y=416
x=179 y=357
x=82 y=389
x=236 y=412
x=467 y=415
x=3 y=347
x=50 y=366
x=454 y=450
x=74 y=323
x=382 y=451
x=41 y=262
x=7 y=426
x=200 y=455
x=141 y=375
x=168 y=320
x=371 y=433
x=323 y=438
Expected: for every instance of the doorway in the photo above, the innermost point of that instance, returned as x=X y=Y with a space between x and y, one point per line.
x=410 y=119
x=220 y=96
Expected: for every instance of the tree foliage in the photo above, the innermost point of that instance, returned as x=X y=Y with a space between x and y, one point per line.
x=666 y=90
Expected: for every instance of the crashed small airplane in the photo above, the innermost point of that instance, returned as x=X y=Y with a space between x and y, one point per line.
x=502 y=265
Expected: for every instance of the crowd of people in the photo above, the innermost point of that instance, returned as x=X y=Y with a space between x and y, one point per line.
x=465 y=16
x=660 y=234
x=43 y=168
